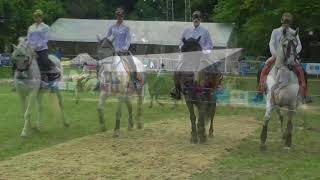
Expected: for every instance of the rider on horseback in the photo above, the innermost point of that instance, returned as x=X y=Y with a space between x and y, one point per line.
x=276 y=35
x=203 y=35
x=198 y=32
x=37 y=39
x=120 y=35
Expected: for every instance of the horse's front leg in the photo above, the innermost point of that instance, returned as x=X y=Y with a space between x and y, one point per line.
x=76 y=91
x=288 y=132
x=203 y=115
x=129 y=107
x=151 y=100
x=193 y=118
x=100 y=109
x=267 y=117
x=280 y=118
x=212 y=112
x=60 y=101
x=139 y=118
x=39 y=109
x=118 y=117
x=31 y=100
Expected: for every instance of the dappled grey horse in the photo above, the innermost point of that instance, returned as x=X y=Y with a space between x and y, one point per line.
x=198 y=87
x=28 y=82
x=114 y=79
x=287 y=94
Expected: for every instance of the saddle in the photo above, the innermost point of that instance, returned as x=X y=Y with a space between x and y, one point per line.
x=297 y=69
x=130 y=67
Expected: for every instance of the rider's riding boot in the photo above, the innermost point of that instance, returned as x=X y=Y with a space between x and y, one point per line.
x=308 y=99
x=258 y=97
x=176 y=92
x=97 y=87
x=134 y=78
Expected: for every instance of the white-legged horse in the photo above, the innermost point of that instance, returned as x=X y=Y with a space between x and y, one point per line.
x=287 y=95
x=115 y=80
x=27 y=80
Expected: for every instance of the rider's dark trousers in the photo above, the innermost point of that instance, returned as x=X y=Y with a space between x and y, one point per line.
x=43 y=61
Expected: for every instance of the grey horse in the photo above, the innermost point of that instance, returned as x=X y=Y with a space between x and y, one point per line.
x=287 y=94
x=115 y=81
x=28 y=83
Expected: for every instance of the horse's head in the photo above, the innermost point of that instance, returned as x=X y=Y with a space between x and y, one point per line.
x=105 y=48
x=191 y=44
x=288 y=44
x=22 y=57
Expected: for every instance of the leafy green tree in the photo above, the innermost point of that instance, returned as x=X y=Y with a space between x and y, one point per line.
x=255 y=19
x=18 y=15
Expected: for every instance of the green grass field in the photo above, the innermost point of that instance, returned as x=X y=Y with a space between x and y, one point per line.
x=243 y=162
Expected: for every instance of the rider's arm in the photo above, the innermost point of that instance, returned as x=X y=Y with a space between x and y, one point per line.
x=128 y=39
x=272 y=42
x=208 y=41
x=181 y=39
x=44 y=40
x=109 y=33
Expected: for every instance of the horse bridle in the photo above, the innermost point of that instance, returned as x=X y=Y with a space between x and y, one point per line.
x=27 y=67
x=287 y=50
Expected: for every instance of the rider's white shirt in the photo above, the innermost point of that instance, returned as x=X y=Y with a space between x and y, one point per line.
x=38 y=36
x=275 y=40
x=196 y=32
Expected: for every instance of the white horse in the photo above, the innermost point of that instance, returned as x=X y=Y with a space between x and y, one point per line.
x=287 y=95
x=115 y=80
x=28 y=83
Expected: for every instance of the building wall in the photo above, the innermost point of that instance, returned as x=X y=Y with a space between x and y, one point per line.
x=72 y=49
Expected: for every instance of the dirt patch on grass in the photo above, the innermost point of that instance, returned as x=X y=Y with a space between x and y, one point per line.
x=161 y=151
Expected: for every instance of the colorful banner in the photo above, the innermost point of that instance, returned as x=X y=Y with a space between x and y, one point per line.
x=312 y=68
x=5 y=60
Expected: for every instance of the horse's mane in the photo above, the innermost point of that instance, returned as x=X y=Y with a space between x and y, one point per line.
x=22 y=41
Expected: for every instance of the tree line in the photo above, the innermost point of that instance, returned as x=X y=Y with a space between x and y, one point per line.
x=254 y=19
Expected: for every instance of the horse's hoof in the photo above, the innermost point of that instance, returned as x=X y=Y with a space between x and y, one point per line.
x=286 y=148
x=263 y=147
x=23 y=134
x=211 y=135
x=66 y=125
x=194 y=139
x=103 y=128
x=116 y=134
x=284 y=136
x=140 y=125
x=203 y=139
x=130 y=127
x=36 y=129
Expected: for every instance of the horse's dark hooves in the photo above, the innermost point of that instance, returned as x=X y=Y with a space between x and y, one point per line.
x=203 y=140
x=211 y=135
x=194 y=140
x=263 y=147
x=116 y=134
x=103 y=128
x=66 y=125
x=130 y=127
x=287 y=148
x=35 y=129
x=140 y=125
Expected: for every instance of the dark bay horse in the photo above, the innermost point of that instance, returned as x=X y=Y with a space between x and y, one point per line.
x=198 y=87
